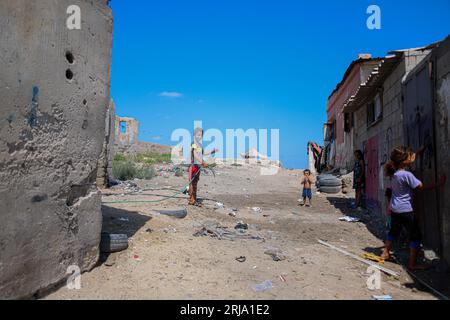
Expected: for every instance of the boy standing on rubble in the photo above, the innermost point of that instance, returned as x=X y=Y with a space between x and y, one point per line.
x=307 y=184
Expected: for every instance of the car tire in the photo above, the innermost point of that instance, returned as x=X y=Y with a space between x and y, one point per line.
x=111 y=242
x=325 y=176
x=330 y=183
x=332 y=190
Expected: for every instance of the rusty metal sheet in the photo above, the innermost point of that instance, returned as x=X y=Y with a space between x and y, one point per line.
x=419 y=131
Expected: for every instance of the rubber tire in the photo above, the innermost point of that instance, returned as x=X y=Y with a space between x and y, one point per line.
x=179 y=214
x=330 y=183
x=332 y=190
x=325 y=176
x=111 y=242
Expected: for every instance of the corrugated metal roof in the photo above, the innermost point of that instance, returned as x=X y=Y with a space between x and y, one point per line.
x=374 y=81
x=348 y=71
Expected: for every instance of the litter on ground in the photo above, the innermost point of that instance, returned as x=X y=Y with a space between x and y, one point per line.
x=266 y=285
x=349 y=219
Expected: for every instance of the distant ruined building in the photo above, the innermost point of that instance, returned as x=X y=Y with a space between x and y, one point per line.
x=126 y=140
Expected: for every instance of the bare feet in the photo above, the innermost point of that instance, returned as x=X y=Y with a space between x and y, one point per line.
x=386 y=255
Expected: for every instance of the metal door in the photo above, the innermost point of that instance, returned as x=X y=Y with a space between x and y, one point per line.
x=419 y=131
x=372 y=172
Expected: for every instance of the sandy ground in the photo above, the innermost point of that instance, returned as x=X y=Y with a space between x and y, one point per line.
x=166 y=261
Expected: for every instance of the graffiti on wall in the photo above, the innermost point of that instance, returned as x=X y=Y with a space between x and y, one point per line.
x=387 y=147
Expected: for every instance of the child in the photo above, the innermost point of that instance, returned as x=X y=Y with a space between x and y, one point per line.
x=307 y=182
x=402 y=215
x=359 y=178
x=197 y=154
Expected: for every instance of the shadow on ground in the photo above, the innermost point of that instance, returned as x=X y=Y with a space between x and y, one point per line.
x=121 y=221
x=438 y=276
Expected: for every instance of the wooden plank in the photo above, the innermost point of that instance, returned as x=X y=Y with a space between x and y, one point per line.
x=375 y=265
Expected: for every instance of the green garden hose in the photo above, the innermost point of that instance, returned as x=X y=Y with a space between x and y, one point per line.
x=159 y=200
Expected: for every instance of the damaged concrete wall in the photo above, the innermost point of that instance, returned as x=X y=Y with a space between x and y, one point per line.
x=442 y=109
x=126 y=132
x=54 y=93
x=106 y=157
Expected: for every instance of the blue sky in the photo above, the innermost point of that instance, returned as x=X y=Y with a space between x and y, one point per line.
x=251 y=64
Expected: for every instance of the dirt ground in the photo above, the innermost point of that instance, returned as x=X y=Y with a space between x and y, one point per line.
x=166 y=261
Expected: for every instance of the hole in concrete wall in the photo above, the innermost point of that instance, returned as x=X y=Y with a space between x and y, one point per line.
x=69 y=74
x=69 y=57
x=123 y=127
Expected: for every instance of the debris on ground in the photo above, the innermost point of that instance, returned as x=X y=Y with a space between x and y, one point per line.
x=275 y=253
x=111 y=261
x=266 y=285
x=179 y=214
x=241 y=225
x=385 y=270
x=347 y=182
x=241 y=259
x=136 y=257
x=349 y=219
x=283 y=279
x=256 y=209
x=219 y=205
x=215 y=230
x=373 y=257
x=130 y=186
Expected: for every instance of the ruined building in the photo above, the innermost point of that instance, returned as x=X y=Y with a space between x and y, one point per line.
x=54 y=96
x=126 y=140
x=126 y=132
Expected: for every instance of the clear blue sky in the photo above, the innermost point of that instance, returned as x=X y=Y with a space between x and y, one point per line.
x=251 y=63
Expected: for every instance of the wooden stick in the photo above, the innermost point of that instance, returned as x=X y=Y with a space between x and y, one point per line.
x=375 y=265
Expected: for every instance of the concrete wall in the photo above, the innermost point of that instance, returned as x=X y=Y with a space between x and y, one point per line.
x=390 y=130
x=51 y=135
x=106 y=157
x=442 y=67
